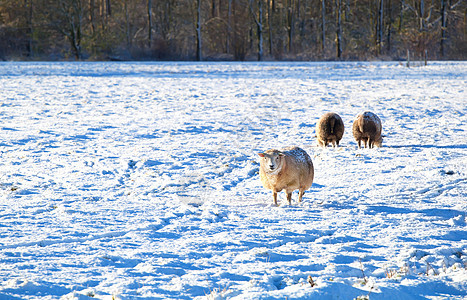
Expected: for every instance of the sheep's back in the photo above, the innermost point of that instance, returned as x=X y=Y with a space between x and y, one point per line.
x=367 y=125
x=330 y=124
x=299 y=166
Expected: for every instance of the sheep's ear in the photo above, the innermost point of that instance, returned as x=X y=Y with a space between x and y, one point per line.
x=281 y=154
x=261 y=154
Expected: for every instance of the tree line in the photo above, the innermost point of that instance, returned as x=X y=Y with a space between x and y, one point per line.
x=232 y=29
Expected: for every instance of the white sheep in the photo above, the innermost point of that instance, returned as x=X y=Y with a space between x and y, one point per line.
x=367 y=127
x=329 y=129
x=287 y=169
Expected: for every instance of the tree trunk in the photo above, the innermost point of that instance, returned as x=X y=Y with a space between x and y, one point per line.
x=199 y=56
x=213 y=9
x=422 y=14
x=323 y=25
x=401 y=16
x=443 y=28
x=127 y=26
x=338 y=29
x=149 y=23
x=408 y=58
x=389 y=13
x=91 y=16
x=30 y=29
x=303 y=21
x=259 y=25
x=260 y=31
x=103 y=15
x=270 y=21
x=78 y=30
x=298 y=9
x=75 y=21
x=229 y=26
x=290 y=24
x=381 y=26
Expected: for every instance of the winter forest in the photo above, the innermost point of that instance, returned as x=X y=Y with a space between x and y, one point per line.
x=233 y=29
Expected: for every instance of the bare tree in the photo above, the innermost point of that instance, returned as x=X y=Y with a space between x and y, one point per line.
x=270 y=25
x=290 y=23
x=198 y=31
x=214 y=9
x=91 y=16
x=229 y=26
x=30 y=9
x=259 y=24
x=127 y=25
x=443 y=28
x=389 y=25
x=68 y=18
x=323 y=25
x=149 y=7
x=421 y=14
x=379 y=26
x=338 y=28
x=108 y=7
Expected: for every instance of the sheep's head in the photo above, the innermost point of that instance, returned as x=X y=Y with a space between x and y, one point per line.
x=271 y=160
x=379 y=141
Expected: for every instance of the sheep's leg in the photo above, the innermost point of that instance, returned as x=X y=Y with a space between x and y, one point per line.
x=370 y=143
x=300 y=195
x=359 y=143
x=274 y=196
x=289 y=197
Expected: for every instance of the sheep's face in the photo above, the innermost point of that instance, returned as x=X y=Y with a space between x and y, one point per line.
x=379 y=142
x=271 y=161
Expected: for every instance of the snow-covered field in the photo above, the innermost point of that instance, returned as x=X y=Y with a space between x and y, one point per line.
x=140 y=181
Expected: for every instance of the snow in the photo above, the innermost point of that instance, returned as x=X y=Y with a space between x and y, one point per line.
x=140 y=181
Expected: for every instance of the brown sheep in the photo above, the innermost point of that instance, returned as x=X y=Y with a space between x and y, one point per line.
x=367 y=127
x=329 y=129
x=287 y=169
